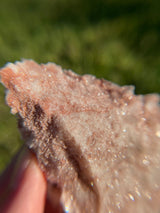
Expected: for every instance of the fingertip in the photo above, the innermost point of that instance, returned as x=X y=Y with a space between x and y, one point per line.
x=29 y=193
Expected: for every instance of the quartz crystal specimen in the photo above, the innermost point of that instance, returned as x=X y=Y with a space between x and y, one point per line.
x=97 y=142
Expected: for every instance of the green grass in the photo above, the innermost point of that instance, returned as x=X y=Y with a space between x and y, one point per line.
x=114 y=39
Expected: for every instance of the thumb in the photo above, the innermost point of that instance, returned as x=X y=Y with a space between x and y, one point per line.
x=23 y=185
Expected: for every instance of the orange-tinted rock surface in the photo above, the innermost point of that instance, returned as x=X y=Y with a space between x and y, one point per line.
x=97 y=142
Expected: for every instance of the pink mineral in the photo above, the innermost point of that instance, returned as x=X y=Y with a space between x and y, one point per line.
x=97 y=141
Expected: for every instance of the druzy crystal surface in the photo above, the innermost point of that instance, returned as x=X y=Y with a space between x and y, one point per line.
x=97 y=142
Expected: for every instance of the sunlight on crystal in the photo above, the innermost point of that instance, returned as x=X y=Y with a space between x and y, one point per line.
x=71 y=197
x=158 y=133
x=123 y=113
x=92 y=183
x=137 y=192
x=66 y=209
x=131 y=196
x=118 y=205
x=148 y=196
x=145 y=162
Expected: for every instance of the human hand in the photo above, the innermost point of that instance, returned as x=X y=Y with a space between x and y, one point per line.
x=23 y=186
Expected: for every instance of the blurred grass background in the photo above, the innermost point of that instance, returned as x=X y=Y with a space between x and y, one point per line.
x=114 y=39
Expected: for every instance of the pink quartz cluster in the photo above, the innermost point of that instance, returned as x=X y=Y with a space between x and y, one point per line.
x=97 y=142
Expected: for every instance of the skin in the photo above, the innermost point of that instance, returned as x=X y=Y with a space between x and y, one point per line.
x=23 y=186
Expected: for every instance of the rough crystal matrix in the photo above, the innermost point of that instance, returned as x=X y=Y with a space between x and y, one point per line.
x=97 y=142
